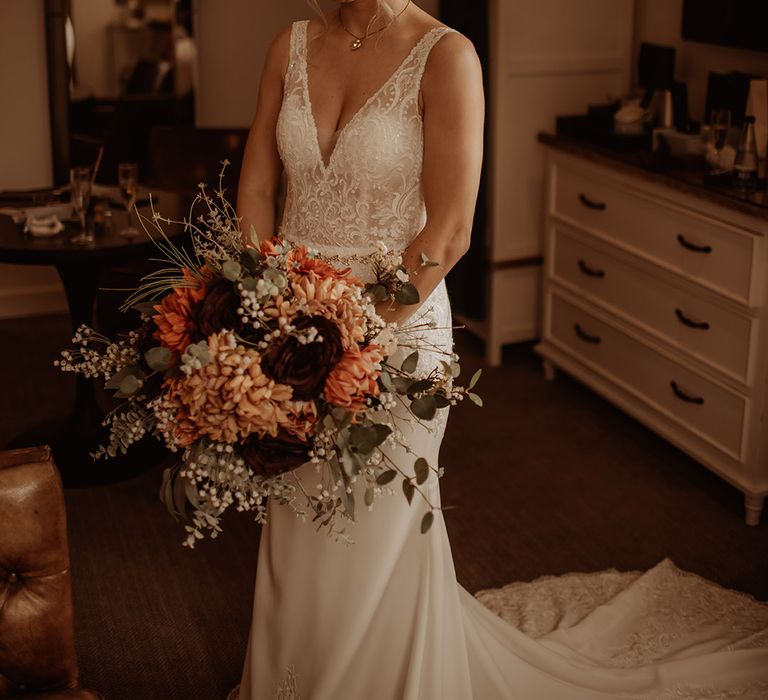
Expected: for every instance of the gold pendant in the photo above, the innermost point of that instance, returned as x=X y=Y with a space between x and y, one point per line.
x=356 y=44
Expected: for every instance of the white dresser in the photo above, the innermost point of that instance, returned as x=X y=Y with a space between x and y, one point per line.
x=657 y=299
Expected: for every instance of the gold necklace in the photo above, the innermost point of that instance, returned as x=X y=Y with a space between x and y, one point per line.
x=358 y=40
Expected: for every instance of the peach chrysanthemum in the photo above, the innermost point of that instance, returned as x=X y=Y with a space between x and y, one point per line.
x=353 y=379
x=334 y=299
x=229 y=398
x=300 y=420
x=174 y=314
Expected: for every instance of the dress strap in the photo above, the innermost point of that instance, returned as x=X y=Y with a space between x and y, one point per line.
x=298 y=39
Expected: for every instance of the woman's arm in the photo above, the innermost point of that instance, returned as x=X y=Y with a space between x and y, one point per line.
x=262 y=168
x=454 y=110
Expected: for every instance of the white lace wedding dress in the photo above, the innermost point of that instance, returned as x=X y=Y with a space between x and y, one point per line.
x=384 y=618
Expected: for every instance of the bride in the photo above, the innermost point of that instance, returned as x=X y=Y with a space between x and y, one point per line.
x=375 y=112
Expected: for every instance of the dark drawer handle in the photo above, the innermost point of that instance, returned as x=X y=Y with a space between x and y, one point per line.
x=586 y=337
x=683 y=396
x=702 y=325
x=591 y=271
x=692 y=246
x=591 y=204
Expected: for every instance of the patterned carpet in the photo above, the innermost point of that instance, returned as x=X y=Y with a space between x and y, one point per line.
x=548 y=478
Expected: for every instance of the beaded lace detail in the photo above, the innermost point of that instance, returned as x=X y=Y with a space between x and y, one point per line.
x=677 y=614
x=370 y=189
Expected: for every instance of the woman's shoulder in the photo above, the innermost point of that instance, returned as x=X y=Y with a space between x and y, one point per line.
x=452 y=50
x=452 y=66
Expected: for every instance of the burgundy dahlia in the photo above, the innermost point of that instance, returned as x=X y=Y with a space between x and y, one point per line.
x=305 y=366
x=269 y=456
x=217 y=311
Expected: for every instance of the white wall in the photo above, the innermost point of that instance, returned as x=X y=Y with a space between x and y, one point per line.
x=660 y=22
x=233 y=36
x=25 y=144
x=91 y=19
x=25 y=139
x=232 y=41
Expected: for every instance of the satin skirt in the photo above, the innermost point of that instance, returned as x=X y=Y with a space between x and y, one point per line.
x=385 y=619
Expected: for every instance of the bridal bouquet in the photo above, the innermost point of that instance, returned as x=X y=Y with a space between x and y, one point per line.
x=253 y=359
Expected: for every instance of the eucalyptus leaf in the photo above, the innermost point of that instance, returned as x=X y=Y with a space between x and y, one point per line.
x=402 y=384
x=408 y=489
x=382 y=432
x=407 y=295
x=231 y=270
x=377 y=292
x=441 y=401
x=365 y=438
x=410 y=363
x=343 y=418
x=369 y=496
x=129 y=386
x=422 y=470
x=424 y=408
x=180 y=496
x=158 y=358
x=419 y=386
x=474 y=379
x=456 y=369
x=166 y=492
x=386 y=477
x=192 y=495
x=116 y=379
x=426 y=522
x=147 y=308
x=333 y=463
x=276 y=277
x=249 y=260
x=386 y=381
x=249 y=284
x=351 y=463
x=348 y=501
x=475 y=399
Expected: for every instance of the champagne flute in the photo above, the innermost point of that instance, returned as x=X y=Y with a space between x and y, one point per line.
x=80 y=192
x=719 y=124
x=128 y=181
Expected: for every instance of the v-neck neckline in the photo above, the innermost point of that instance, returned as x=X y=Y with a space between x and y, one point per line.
x=308 y=100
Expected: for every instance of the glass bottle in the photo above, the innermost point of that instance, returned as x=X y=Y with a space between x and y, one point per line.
x=745 y=166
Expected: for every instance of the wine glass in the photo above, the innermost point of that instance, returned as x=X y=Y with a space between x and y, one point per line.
x=128 y=181
x=80 y=193
x=719 y=125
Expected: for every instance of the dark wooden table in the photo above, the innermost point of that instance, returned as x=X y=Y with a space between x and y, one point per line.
x=75 y=437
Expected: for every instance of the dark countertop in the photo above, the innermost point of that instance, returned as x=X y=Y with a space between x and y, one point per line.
x=653 y=169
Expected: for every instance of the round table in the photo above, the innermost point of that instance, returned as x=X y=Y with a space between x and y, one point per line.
x=74 y=438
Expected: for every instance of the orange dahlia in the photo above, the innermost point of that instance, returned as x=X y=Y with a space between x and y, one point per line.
x=354 y=377
x=174 y=318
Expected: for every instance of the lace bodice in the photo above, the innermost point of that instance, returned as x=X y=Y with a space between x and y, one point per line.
x=370 y=188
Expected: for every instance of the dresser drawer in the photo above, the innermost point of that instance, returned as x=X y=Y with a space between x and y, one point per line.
x=710 y=411
x=701 y=249
x=689 y=321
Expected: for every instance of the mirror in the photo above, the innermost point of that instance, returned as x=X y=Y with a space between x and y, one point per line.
x=132 y=69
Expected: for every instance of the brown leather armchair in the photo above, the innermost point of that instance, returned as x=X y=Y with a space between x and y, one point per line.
x=37 y=648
